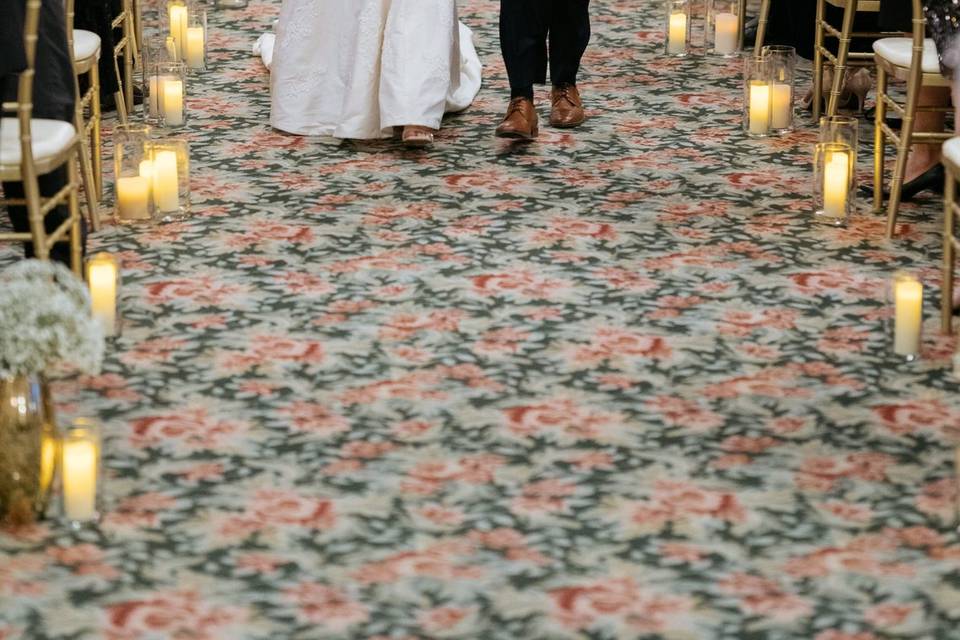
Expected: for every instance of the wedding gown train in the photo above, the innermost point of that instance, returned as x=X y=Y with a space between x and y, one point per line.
x=358 y=68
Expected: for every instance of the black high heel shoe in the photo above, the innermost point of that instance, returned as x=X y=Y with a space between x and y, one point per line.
x=930 y=180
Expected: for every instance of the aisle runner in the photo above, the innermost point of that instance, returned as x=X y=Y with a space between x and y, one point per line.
x=613 y=385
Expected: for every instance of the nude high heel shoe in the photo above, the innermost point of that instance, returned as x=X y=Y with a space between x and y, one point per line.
x=856 y=86
x=806 y=103
x=417 y=137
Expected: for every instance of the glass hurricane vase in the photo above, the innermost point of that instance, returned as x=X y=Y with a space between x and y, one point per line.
x=28 y=453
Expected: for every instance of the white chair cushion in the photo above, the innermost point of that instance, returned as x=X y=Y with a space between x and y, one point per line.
x=899 y=51
x=85 y=44
x=50 y=137
x=951 y=150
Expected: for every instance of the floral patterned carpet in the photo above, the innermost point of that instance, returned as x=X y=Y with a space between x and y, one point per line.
x=616 y=384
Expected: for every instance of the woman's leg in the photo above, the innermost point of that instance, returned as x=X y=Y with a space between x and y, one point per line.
x=924 y=156
x=420 y=63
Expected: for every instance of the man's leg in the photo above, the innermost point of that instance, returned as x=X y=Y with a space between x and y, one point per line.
x=569 y=22
x=523 y=41
x=569 y=36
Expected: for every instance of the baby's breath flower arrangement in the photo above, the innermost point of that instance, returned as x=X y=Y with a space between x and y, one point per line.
x=45 y=321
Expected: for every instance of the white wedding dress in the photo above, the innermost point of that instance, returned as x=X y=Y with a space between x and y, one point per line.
x=358 y=68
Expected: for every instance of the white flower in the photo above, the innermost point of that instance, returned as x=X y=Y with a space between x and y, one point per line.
x=45 y=320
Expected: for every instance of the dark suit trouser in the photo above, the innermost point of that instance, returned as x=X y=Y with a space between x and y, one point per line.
x=526 y=27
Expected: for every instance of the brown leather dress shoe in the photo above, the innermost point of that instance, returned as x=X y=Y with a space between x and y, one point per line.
x=567 y=108
x=521 y=122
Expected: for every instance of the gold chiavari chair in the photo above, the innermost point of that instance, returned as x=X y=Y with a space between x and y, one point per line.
x=32 y=147
x=951 y=164
x=86 y=58
x=822 y=56
x=914 y=61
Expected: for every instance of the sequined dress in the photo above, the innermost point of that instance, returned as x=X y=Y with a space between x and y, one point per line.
x=943 y=25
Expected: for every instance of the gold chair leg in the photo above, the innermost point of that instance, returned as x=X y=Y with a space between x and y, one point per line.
x=89 y=186
x=879 y=140
x=121 y=108
x=843 y=54
x=946 y=290
x=122 y=84
x=138 y=30
x=762 y=27
x=76 y=240
x=130 y=54
x=96 y=142
x=32 y=203
x=903 y=150
x=741 y=22
x=818 y=63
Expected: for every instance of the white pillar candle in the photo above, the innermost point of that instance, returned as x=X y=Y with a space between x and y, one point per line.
x=195 y=47
x=102 y=280
x=133 y=197
x=154 y=97
x=171 y=101
x=908 y=303
x=171 y=45
x=146 y=169
x=166 y=189
x=48 y=461
x=677 y=34
x=836 y=183
x=782 y=105
x=79 y=480
x=759 y=107
x=178 y=27
x=726 y=33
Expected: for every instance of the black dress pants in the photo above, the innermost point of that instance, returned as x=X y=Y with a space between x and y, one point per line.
x=527 y=26
x=97 y=16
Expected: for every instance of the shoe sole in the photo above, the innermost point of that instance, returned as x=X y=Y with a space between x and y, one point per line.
x=516 y=135
x=567 y=125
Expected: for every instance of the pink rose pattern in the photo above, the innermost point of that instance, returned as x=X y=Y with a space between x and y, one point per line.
x=590 y=388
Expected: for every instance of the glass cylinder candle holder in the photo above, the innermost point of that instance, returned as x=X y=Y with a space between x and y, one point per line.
x=80 y=474
x=845 y=130
x=723 y=27
x=169 y=81
x=195 y=49
x=177 y=15
x=156 y=48
x=757 y=97
x=170 y=173
x=677 y=41
x=103 y=280
x=133 y=203
x=782 y=67
x=834 y=196
x=906 y=297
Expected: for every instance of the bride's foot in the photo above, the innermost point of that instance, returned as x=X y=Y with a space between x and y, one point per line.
x=417 y=136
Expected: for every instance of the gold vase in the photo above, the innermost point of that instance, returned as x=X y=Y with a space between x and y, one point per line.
x=28 y=449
